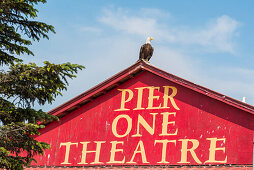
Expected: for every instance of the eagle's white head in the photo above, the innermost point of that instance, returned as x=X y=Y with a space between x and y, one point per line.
x=148 y=40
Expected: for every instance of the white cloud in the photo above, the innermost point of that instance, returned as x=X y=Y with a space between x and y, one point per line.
x=175 y=62
x=216 y=35
x=232 y=86
x=108 y=52
x=120 y=20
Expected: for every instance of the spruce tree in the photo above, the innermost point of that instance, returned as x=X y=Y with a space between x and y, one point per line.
x=22 y=85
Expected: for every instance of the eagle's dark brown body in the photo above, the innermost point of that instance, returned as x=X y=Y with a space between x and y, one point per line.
x=146 y=52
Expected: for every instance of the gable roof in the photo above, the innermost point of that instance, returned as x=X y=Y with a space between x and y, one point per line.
x=131 y=72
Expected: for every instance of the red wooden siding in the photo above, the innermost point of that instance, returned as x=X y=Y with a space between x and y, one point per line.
x=200 y=130
x=148 y=168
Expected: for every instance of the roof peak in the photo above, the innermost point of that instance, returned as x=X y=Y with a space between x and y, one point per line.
x=131 y=72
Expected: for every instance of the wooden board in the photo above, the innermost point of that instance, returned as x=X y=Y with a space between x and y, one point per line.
x=149 y=120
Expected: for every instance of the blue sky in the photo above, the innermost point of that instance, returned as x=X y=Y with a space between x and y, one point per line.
x=207 y=42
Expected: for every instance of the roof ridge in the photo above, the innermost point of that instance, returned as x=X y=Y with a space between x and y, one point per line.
x=130 y=72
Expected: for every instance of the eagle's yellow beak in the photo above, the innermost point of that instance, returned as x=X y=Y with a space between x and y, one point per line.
x=152 y=38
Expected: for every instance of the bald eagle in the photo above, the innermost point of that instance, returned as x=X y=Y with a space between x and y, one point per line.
x=146 y=50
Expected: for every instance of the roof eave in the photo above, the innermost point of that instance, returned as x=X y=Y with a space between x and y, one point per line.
x=129 y=73
x=102 y=87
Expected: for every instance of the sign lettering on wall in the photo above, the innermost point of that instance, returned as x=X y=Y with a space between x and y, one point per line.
x=148 y=120
x=163 y=127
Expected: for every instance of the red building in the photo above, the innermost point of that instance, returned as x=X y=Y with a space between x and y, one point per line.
x=146 y=118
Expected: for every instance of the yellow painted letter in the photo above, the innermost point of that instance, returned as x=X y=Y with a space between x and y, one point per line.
x=164 y=149
x=113 y=152
x=213 y=149
x=140 y=97
x=165 y=124
x=139 y=149
x=67 y=151
x=151 y=97
x=142 y=121
x=97 y=152
x=185 y=150
x=123 y=100
x=170 y=97
x=114 y=125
